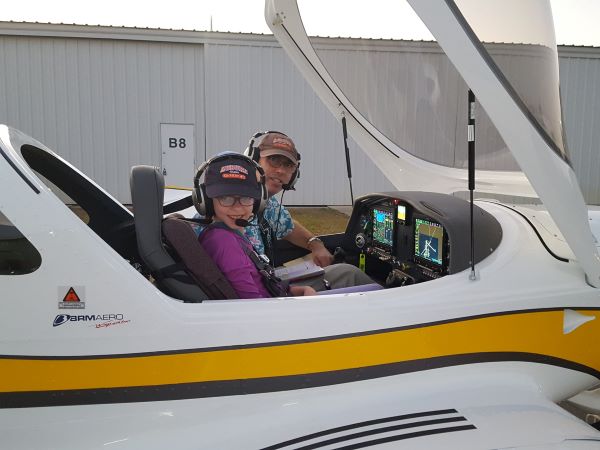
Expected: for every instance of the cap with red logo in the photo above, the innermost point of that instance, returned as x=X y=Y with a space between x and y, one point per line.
x=278 y=144
x=232 y=176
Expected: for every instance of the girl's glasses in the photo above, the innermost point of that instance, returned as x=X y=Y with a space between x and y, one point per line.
x=230 y=200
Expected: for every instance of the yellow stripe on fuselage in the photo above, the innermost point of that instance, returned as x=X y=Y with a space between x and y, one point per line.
x=538 y=332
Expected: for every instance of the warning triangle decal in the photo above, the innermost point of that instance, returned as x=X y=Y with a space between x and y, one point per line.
x=71 y=296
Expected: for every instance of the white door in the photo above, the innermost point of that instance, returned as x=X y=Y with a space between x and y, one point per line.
x=178 y=150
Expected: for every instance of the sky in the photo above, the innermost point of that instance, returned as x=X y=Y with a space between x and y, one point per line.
x=576 y=21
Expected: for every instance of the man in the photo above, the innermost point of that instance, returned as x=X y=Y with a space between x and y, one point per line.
x=277 y=155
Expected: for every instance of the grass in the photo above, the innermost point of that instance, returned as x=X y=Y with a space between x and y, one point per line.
x=320 y=220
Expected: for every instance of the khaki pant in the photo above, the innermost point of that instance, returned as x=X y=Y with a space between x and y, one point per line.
x=338 y=276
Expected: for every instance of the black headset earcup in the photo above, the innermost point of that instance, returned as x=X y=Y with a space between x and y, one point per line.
x=252 y=150
x=198 y=199
x=264 y=197
x=291 y=185
x=249 y=150
x=209 y=210
x=295 y=177
x=198 y=196
x=254 y=153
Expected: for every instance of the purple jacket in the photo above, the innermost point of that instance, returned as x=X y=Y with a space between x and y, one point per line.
x=224 y=247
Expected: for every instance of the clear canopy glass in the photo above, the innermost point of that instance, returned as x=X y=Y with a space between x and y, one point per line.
x=398 y=78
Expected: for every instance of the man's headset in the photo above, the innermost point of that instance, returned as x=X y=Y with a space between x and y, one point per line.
x=204 y=204
x=253 y=152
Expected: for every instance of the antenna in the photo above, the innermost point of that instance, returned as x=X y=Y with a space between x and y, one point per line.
x=348 y=168
x=471 y=147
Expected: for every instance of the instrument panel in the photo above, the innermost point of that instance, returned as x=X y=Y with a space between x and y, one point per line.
x=410 y=237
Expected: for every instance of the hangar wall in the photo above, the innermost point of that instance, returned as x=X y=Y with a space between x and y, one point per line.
x=99 y=102
x=580 y=90
x=97 y=96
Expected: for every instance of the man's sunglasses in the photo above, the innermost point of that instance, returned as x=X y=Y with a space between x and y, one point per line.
x=230 y=200
x=278 y=161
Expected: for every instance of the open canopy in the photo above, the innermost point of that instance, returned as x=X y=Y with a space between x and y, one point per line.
x=410 y=92
x=405 y=102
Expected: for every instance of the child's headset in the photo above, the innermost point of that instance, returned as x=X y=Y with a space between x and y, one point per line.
x=253 y=152
x=204 y=204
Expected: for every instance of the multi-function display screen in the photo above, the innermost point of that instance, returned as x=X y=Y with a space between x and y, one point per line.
x=429 y=240
x=383 y=227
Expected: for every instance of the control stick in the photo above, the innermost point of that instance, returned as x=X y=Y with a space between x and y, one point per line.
x=339 y=255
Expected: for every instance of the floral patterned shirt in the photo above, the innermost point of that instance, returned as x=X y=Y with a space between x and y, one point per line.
x=282 y=227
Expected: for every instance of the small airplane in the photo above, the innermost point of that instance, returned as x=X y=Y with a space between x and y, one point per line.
x=470 y=349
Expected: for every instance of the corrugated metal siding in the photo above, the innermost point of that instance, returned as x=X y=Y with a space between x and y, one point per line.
x=99 y=103
x=345 y=65
x=257 y=88
x=580 y=89
x=415 y=96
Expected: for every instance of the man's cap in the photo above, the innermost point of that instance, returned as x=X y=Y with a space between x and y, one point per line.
x=232 y=175
x=278 y=144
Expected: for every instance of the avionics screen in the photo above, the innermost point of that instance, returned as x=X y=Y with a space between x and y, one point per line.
x=383 y=227
x=401 y=213
x=429 y=240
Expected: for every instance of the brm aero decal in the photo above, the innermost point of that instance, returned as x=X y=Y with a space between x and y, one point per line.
x=97 y=320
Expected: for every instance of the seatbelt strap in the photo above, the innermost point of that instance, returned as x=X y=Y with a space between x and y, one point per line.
x=268 y=237
x=273 y=283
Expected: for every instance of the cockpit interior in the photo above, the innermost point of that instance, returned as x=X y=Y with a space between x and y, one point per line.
x=402 y=238
x=397 y=238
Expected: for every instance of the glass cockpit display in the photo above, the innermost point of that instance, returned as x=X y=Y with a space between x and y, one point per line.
x=401 y=213
x=383 y=227
x=429 y=241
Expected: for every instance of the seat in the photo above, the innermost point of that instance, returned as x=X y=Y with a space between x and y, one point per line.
x=186 y=271
x=181 y=237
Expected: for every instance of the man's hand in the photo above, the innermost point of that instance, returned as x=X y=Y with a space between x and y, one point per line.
x=301 y=237
x=320 y=254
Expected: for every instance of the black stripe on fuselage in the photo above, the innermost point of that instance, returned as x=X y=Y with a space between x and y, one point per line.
x=222 y=388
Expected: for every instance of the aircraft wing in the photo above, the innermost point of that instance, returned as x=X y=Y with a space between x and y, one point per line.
x=466 y=418
x=476 y=413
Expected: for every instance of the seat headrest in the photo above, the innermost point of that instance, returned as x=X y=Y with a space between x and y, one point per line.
x=147 y=196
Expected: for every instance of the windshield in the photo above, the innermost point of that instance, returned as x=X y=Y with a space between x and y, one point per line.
x=397 y=77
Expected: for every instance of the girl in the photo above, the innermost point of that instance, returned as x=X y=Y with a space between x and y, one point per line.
x=231 y=195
